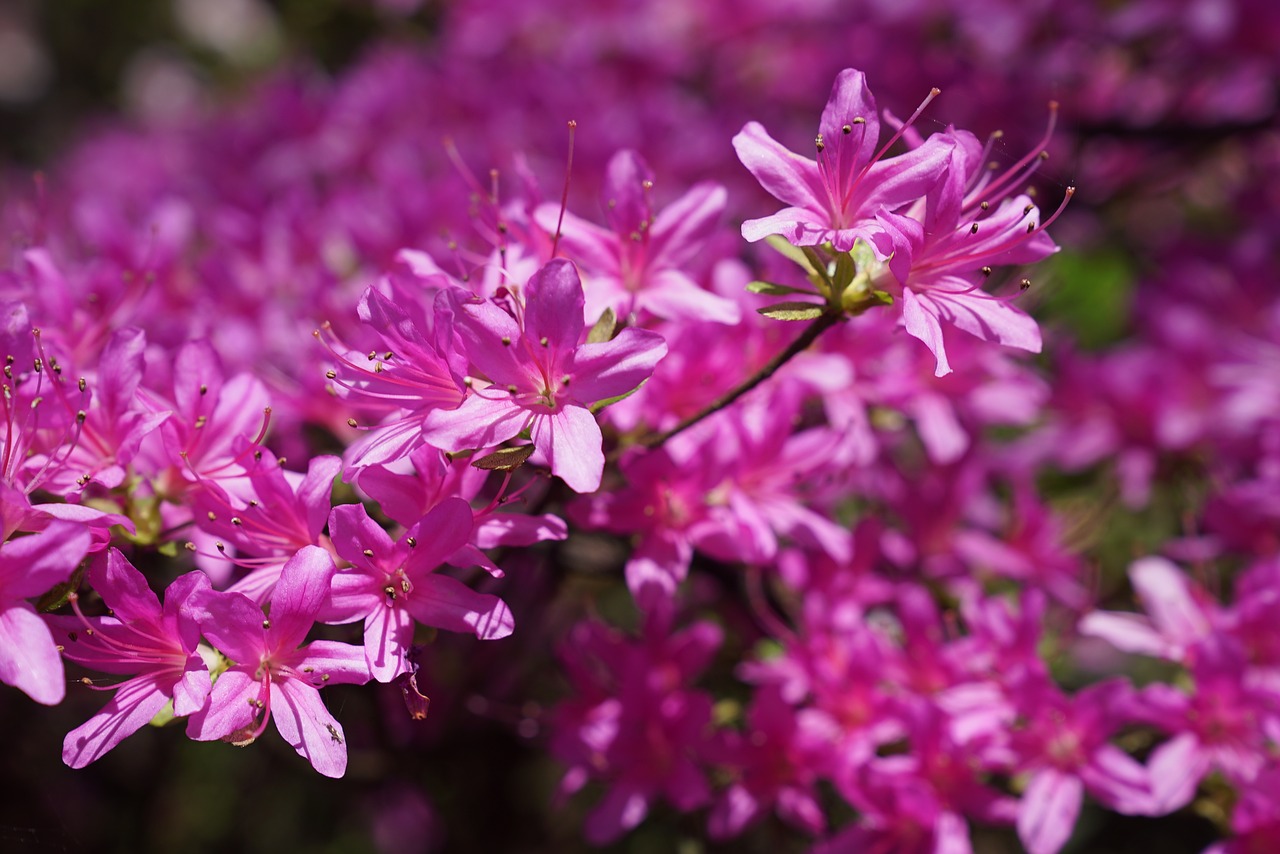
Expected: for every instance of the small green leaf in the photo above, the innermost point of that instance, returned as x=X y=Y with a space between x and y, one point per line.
x=603 y=329
x=790 y=251
x=792 y=311
x=504 y=459
x=845 y=270
x=775 y=290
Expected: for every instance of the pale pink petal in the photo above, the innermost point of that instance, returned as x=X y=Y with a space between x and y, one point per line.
x=612 y=368
x=921 y=322
x=1165 y=592
x=483 y=420
x=333 y=663
x=30 y=565
x=571 y=441
x=230 y=710
x=553 y=306
x=1176 y=768
x=306 y=725
x=1048 y=811
x=388 y=631
x=29 y=659
x=131 y=707
x=447 y=603
x=672 y=295
x=790 y=178
x=301 y=591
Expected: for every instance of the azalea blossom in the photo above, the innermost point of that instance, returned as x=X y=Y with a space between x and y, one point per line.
x=533 y=372
x=157 y=644
x=272 y=675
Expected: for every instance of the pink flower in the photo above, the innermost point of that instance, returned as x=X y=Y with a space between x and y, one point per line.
x=640 y=263
x=272 y=676
x=836 y=199
x=392 y=584
x=140 y=637
x=30 y=566
x=535 y=375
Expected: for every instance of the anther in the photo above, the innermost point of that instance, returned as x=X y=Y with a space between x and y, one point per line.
x=847 y=129
x=986 y=271
x=204 y=389
x=1024 y=284
x=213 y=517
x=411 y=542
x=235 y=520
x=511 y=389
x=543 y=341
x=367 y=553
x=819 y=143
x=220 y=546
x=859 y=120
x=266 y=624
x=986 y=206
x=974 y=229
x=351 y=422
x=189 y=546
x=331 y=375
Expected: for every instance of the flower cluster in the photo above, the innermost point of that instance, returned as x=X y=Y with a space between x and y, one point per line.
x=811 y=561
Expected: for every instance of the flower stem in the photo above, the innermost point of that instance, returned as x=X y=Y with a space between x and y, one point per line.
x=820 y=324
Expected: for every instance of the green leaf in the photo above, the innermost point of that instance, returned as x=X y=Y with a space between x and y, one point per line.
x=504 y=459
x=775 y=290
x=790 y=251
x=792 y=311
x=603 y=329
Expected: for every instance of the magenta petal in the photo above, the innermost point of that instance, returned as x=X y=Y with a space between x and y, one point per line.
x=232 y=623
x=353 y=531
x=681 y=228
x=1165 y=592
x=388 y=631
x=132 y=706
x=851 y=99
x=30 y=565
x=1176 y=768
x=191 y=691
x=800 y=226
x=29 y=659
x=1118 y=781
x=306 y=725
x=787 y=176
x=1126 y=632
x=301 y=591
x=123 y=588
x=1049 y=810
x=553 y=306
x=612 y=368
x=921 y=322
x=571 y=441
x=333 y=663
x=622 y=808
x=595 y=247
x=674 y=296
x=447 y=603
x=230 y=708
x=444 y=530
x=985 y=317
x=480 y=422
